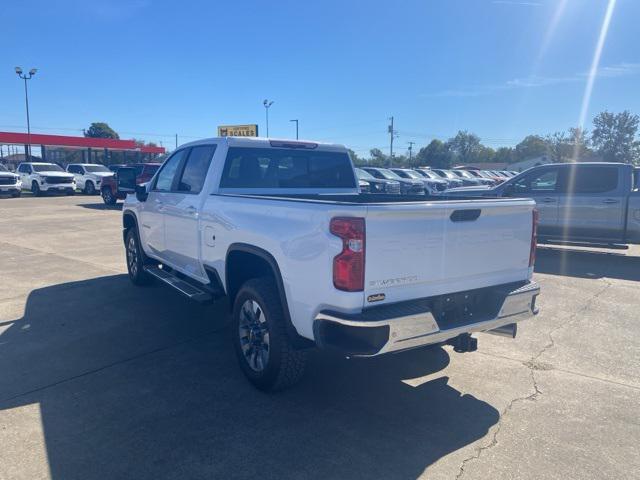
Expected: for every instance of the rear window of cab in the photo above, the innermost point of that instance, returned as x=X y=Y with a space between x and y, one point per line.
x=247 y=167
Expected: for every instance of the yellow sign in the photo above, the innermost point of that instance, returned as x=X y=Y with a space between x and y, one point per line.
x=238 y=131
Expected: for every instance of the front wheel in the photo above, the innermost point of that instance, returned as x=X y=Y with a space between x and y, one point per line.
x=16 y=194
x=135 y=259
x=89 y=188
x=108 y=197
x=264 y=351
x=35 y=189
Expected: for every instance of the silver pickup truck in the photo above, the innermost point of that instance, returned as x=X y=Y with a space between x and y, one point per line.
x=594 y=203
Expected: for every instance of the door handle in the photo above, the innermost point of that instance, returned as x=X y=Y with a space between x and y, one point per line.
x=548 y=200
x=611 y=200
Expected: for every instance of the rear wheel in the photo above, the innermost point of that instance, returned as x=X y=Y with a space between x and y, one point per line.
x=265 y=353
x=89 y=188
x=108 y=197
x=135 y=259
x=35 y=189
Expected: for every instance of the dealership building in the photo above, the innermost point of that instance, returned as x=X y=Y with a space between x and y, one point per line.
x=62 y=149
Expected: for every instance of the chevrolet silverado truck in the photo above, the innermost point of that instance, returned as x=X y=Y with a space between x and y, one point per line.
x=89 y=176
x=579 y=203
x=279 y=228
x=10 y=183
x=42 y=177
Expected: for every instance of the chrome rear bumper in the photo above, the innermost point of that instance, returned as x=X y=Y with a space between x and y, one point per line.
x=405 y=325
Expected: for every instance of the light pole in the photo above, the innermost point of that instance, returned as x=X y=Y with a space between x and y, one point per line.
x=267 y=104
x=26 y=77
x=295 y=120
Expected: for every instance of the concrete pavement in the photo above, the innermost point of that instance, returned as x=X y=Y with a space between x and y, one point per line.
x=101 y=379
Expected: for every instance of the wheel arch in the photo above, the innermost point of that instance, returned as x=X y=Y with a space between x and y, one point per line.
x=243 y=262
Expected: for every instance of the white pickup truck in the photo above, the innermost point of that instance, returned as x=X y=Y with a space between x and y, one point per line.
x=279 y=227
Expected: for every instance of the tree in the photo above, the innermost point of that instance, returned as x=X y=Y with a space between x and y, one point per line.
x=532 y=146
x=504 y=155
x=465 y=146
x=101 y=130
x=558 y=147
x=614 y=136
x=378 y=159
x=435 y=155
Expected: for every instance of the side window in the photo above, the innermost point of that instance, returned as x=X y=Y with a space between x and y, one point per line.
x=541 y=181
x=195 y=169
x=74 y=169
x=164 y=180
x=21 y=169
x=592 y=180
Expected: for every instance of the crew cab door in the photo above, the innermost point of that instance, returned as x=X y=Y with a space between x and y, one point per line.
x=24 y=171
x=592 y=202
x=78 y=174
x=152 y=211
x=182 y=211
x=543 y=186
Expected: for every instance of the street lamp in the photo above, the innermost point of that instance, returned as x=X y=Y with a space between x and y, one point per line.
x=295 y=120
x=267 y=104
x=26 y=77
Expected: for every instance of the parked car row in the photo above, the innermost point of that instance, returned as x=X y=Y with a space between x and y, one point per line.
x=89 y=178
x=421 y=181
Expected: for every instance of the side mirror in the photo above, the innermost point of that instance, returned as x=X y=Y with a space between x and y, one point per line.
x=141 y=192
x=126 y=179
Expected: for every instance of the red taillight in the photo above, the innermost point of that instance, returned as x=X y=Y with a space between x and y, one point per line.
x=348 y=265
x=534 y=238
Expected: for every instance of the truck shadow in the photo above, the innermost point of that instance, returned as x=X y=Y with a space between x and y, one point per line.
x=101 y=206
x=587 y=263
x=141 y=383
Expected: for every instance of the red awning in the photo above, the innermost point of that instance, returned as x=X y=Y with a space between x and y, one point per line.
x=67 y=141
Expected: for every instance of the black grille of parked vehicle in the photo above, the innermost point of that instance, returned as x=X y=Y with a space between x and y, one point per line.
x=56 y=180
x=7 y=180
x=416 y=190
x=441 y=187
x=392 y=188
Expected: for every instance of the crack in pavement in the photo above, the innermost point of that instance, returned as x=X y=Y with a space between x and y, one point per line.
x=532 y=367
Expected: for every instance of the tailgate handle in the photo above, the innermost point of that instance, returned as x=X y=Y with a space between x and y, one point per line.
x=465 y=215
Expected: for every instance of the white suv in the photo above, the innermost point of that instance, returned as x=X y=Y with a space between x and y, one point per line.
x=89 y=176
x=42 y=177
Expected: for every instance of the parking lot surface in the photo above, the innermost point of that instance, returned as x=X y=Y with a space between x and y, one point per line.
x=101 y=379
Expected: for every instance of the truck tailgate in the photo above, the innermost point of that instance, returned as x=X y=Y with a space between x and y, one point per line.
x=424 y=249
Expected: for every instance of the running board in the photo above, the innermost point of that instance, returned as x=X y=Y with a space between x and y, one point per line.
x=185 y=288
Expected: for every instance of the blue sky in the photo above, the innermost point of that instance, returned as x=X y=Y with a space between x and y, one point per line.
x=499 y=68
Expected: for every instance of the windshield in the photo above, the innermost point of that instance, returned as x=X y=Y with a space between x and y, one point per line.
x=46 y=167
x=3 y=168
x=445 y=174
x=364 y=175
x=388 y=174
x=411 y=174
x=96 y=168
x=463 y=173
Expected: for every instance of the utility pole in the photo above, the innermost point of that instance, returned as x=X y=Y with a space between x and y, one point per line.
x=410 y=151
x=295 y=120
x=26 y=77
x=392 y=133
x=176 y=141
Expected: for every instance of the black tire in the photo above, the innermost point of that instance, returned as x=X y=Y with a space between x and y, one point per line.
x=284 y=365
x=16 y=194
x=35 y=189
x=89 y=188
x=135 y=259
x=108 y=197
x=70 y=192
